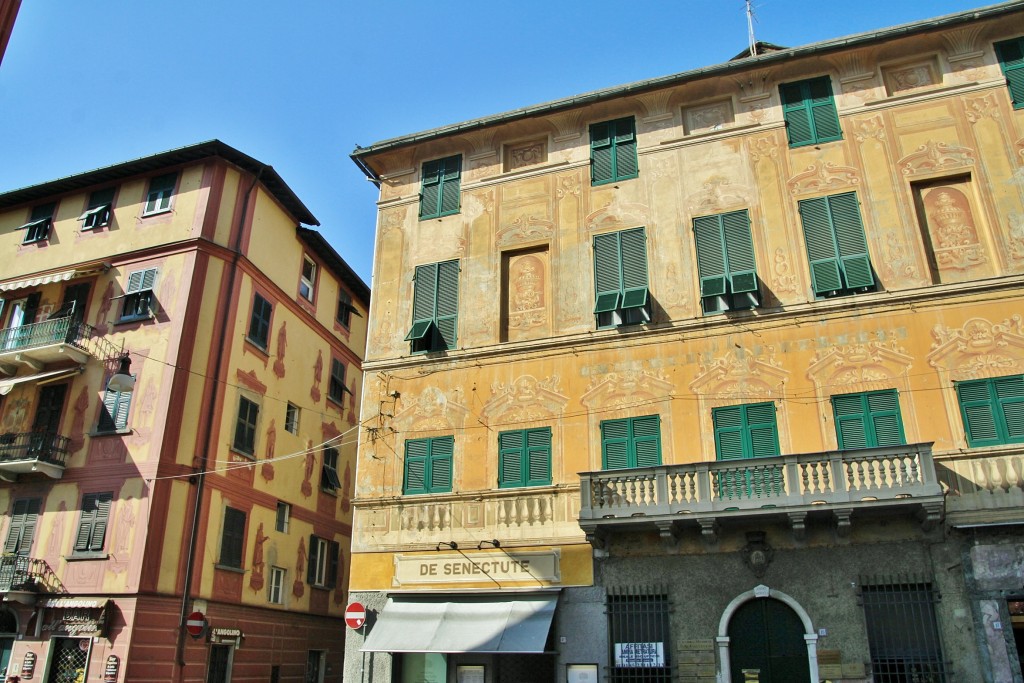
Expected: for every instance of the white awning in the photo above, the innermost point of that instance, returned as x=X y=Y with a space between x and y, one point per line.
x=8 y=384
x=35 y=281
x=471 y=624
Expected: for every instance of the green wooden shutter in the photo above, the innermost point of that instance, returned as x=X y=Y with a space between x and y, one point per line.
x=1010 y=394
x=728 y=423
x=333 y=556
x=615 y=444
x=450 y=185
x=447 y=311
x=646 y=440
x=625 y=156
x=853 y=247
x=739 y=250
x=796 y=112
x=601 y=162
x=607 y=273
x=824 y=116
x=510 y=455
x=416 y=453
x=441 y=450
x=314 y=559
x=538 y=457
x=1011 y=59
x=423 y=301
x=822 y=251
x=707 y=232
x=978 y=410
x=24 y=516
x=430 y=192
x=232 y=538
x=633 y=249
x=851 y=421
x=762 y=431
x=886 y=420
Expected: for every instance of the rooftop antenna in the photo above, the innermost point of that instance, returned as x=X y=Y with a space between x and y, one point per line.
x=750 y=28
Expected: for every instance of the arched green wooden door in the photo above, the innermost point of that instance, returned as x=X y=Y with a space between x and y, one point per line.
x=767 y=635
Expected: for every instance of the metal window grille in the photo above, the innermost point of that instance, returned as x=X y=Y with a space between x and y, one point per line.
x=638 y=625
x=903 y=633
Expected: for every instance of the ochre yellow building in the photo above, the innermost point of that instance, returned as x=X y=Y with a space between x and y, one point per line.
x=731 y=361
x=179 y=359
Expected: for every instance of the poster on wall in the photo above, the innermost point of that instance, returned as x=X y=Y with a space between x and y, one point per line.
x=639 y=654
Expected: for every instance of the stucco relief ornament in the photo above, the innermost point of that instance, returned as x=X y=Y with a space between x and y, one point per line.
x=473 y=205
x=525 y=229
x=527 y=305
x=898 y=264
x=628 y=387
x=783 y=277
x=661 y=169
x=758 y=111
x=717 y=192
x=763 y=147
x=568 y=185
x=869 y=128
x=821 y=177
x=983 y=107
x=979 y=348
x=526 y=398
x=958 y=244
x=674 y=295
x=318 y=371
x=935 y=156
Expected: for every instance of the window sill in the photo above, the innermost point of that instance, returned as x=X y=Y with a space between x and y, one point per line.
x=227 y=568
x=339 y=402
x=320 y=587
x=239 y=452
x=329 y=492
x=158 y=212
x=111 y=432
x=257 y=347
x=134 y=319
x=79 y=557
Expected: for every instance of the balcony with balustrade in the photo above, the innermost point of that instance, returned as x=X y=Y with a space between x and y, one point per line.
x=23 y=579
x=984 y=486
x=39 y=451
x=53 y=341
x=837 y=486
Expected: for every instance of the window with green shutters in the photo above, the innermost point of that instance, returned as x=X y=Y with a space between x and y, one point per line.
x=92 y=525
x=743 y=432
x=632 y=442
x=1011 y=59
x=114 y=411
x=810 y=112
x=161 y=190
x=435 y=307
x=868 y=420
x=39 y=222
x=22 y=529
x=138 y=295
x=439 y=195
x=524 y=457
x=620 y=278
x=992 y=410
x=613 y=151
x=725 y=261
x=245 y=426
x=837 y=250
x=259 y=322
x=428 y=465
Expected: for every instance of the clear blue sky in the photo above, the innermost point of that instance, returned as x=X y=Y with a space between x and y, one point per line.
x=298 y=84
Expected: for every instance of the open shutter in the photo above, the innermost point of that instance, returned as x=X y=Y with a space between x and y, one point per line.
x=430 y=191
x=450 y=184
x=728 y=423
x=333 y=554
x=447 y=313
x=607 y=274
x=625 y=157
x=739 y=250
x=647 y=440
x=824 y=117
x=886 y=421
x=615 y=444
x=86 y=523
x=423 y=301
x=977 y=407
x=99 y=531
x=442 y=449
x=633 y=247
x=16 y=531
x=796 y=112
x=762 y=430
x=822 y=252
x=1011 y=58
x=538 y=457
x=707 y=232
x=109 y=410
x=314 y=559
x=1010 y=393
x=601 y=164
x=416 y=452
x=853 y=247
x=28 y=531
x=510 y=453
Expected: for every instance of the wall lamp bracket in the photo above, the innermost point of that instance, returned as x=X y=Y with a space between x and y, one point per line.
x=451 y=545
x=494 y=543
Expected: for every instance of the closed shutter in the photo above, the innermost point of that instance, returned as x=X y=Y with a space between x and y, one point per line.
x=92 y=526
x=851 y=425
x=450 y=185
x=822 y=252
x=333 y=556
x=314 y=559
x=141 y=281
x=430 y=192
x=763 y=432
x=447 y=315
x=442 y=449
x=607 y=273
x=824 y=117
x=1010 y=393
x=233 y=538
x=1011 y=58
x=615 y=444
x=886 y=420
x=797 y=114
x=423 y=301
x=114 y=414
x=510 y=454
x=601 y=163
x=978 y=410
x=625 y=156
x=707 y=232
x=538 y=457
x=23 y=526
x=739 y=249
x=647 y=440
x=633 y=247
x=416 y=452
x=853 y=247
x=728 y=423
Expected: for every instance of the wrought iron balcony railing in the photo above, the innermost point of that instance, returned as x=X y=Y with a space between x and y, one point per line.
x=838 y=480
x=31 y=451
x=46 y=333
x=27 y=574
x=52 y=341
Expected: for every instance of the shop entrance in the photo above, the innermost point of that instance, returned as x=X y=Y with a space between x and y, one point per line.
x=767 y=635
x=68 y=660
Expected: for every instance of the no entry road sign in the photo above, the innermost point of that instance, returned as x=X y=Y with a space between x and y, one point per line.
x=195 y=624
x=355 y=615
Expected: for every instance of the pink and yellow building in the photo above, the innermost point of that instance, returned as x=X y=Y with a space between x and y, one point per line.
x=179 y=358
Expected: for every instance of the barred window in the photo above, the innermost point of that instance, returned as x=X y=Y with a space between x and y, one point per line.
x=903 y=632
x=638 y=622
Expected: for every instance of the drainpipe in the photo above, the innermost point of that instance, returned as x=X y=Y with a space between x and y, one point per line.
x=186 y=596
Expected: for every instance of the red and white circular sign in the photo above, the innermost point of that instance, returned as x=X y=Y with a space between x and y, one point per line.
x=355 y=615
x=195 y=624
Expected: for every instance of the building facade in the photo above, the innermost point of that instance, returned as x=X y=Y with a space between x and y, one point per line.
x=714 y=377
x=179 y=358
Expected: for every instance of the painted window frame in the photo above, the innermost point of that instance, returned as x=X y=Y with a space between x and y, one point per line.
x=621 y=287
x=631 y=442
x=992 y=410
x=90 y=537
x=260 y=318
x=160 y=194
x=868 y=419
x=440 y=187
x=283 y=516
x=428 y=465
x=435 y=308
x=1010 y=54
x=138 y=295
x=524 y=458
x=232 y=539
x=246 y=426
x=307 y=278
x=726 y=262
x=329 y=480
x=292 y=415
x=809 y=111
x=613 y=151
x=275 y=590
x=836 y=243
x=322 y=571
